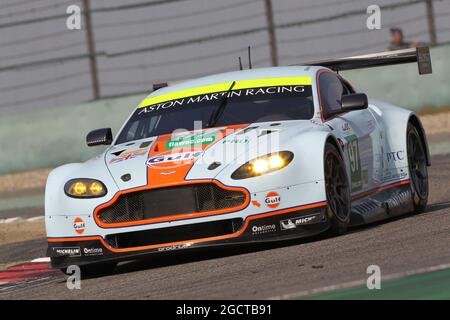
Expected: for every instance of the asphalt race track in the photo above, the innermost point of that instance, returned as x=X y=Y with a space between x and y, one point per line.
x=283 y=270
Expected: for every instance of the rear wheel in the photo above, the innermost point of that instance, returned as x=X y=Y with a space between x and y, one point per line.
x=417 y=169
x=337 y=191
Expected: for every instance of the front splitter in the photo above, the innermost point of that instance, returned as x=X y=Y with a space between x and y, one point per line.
x=305 y=222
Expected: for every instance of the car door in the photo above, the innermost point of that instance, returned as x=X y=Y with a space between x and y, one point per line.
x=357 y=131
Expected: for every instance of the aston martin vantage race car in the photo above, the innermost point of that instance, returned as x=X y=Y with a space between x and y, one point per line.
x=241 y=157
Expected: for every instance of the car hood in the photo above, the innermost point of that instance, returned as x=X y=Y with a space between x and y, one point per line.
x=174 y=159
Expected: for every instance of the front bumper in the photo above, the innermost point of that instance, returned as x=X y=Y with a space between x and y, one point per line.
x=294 y=222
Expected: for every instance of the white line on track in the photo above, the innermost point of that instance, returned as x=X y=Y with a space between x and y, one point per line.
x=44 y=259
x=356 y=283
x=20 y=219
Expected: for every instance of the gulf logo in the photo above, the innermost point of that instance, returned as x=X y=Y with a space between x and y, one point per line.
x=78 y=225
x=272 y=200
x=169 y=160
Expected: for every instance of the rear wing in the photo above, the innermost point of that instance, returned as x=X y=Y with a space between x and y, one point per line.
x=421 y=55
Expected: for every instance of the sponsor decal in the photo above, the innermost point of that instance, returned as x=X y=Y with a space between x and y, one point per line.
x=215 y=96
x=272 y=200
x=294 y=222
x=264 y=229
x=167 y=173
x=67 y=251
x=78 y=225
x=345 y=127
x=175 y=247
x=256 y=203
x=190 y=141
x=236 y=141
x=317 y=122
x=394 y=174
x=129 y=155
x=168 y=160
x=93 y=251
x=395 y=156
x=350 y=138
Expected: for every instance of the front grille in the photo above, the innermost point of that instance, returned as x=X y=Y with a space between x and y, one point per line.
x=174 y=234
x=172 y=201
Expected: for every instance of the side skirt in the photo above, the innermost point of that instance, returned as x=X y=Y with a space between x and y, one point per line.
x=383 y=203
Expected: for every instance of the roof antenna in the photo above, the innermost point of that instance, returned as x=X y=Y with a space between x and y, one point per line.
x=250 y=57
x=240 y=64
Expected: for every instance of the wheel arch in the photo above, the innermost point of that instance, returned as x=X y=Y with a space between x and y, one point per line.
x=333 y=140
x=415 y=121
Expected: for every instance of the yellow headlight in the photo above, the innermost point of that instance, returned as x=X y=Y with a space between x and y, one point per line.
x=79 y=188
x=275 y=161
x=260 y=166
x=263 y=165
x=96 y=188
x=84 y=188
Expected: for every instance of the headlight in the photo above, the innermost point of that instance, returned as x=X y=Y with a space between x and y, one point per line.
x=85 y=188
x=262 y=165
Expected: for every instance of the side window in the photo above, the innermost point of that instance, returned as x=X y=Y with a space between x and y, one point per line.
x=331 y=91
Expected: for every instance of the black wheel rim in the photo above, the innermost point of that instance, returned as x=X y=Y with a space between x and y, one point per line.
x=417 y=165
x=336 y=185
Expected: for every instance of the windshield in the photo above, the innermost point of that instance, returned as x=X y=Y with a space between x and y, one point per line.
x=275 y=103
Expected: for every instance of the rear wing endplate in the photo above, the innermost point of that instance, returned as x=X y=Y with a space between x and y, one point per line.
x=421 y=55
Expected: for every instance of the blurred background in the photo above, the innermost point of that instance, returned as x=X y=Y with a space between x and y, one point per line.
x=124 y=47
x=58 y=84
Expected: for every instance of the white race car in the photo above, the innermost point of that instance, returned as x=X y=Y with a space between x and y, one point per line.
x=240 y=157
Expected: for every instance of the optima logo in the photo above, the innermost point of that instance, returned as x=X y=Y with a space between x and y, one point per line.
x=172 y=160
x=93 y=251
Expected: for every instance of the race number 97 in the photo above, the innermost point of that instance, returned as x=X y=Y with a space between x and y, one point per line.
x=355 y=164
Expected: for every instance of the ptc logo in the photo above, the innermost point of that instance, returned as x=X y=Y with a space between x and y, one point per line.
x=272 y=200
x=78 y=225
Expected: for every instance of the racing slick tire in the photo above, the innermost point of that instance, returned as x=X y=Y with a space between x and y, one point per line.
x=95 y=270
x=417 y=164
x=337 y=191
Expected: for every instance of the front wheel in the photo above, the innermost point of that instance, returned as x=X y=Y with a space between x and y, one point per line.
x=337 y=190
x=417 y=169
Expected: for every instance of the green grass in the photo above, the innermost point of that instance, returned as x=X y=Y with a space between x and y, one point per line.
x=428 y=286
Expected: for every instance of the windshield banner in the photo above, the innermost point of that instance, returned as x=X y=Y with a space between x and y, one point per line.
x=216 y=91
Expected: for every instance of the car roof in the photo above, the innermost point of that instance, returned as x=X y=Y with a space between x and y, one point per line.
x=257 y=73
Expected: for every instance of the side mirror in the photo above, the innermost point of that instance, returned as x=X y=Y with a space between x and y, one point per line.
x=99 y=137
x=355 y=101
